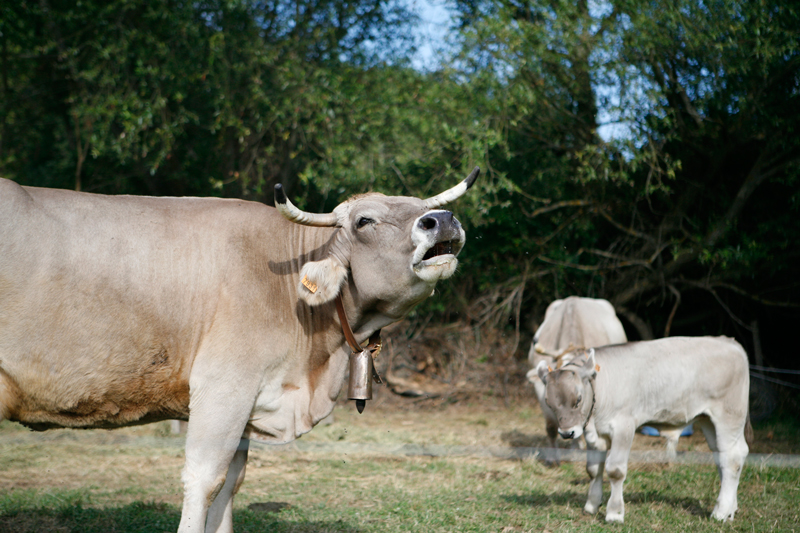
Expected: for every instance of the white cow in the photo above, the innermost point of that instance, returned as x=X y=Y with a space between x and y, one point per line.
x=666 y=383
x=571 y=323
x=122 y=310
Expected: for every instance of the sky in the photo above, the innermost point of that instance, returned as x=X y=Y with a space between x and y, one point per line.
x=434 y=21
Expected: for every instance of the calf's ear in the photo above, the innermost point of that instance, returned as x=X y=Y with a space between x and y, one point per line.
x=590 y=366
x=321 y=281
x=542 y=370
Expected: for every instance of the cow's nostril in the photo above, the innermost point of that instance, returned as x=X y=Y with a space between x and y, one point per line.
x=427 y=223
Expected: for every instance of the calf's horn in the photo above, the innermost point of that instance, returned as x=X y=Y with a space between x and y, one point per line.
x=451 y=194
x=288 y=210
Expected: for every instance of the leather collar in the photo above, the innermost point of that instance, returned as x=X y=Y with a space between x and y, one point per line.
x=374 y=345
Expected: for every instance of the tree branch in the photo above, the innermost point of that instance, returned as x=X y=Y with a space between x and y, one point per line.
x=642 y=327
x=557 y=205
x=629 y=231
x=722 y=285
x=677 y=294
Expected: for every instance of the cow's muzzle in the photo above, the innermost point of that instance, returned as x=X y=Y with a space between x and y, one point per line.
x=439 y=238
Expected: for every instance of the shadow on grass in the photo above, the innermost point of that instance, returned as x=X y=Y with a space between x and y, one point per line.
x=578 y=499
x=690 y=505
x=547 y=499
x=518 y=439
x=142 y=517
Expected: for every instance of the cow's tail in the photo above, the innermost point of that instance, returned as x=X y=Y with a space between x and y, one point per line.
x=749 y=437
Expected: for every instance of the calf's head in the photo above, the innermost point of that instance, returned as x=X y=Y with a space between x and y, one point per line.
x=569 y=392
x=395 y=248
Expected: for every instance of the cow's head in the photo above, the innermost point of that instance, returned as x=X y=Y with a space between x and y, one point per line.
x=395 y=248
x=569 y=392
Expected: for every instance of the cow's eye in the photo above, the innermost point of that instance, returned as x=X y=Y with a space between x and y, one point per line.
x=578 y=401
x=363 y=221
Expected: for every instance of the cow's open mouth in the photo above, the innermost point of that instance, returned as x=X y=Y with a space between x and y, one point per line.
x=440 y=248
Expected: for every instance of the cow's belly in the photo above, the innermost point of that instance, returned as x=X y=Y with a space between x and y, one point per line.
x=44 y=400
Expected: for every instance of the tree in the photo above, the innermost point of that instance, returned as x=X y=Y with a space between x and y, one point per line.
x=184 y=98
x=700 y=190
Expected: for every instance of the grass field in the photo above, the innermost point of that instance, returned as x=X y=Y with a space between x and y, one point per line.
x=129 y=480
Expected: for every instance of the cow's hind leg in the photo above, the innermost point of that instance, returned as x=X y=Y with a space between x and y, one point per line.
x=617 y=468
x=220 y=514
x=595 y=459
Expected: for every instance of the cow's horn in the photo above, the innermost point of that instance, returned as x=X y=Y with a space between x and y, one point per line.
x=451 y=194
x=294 y=214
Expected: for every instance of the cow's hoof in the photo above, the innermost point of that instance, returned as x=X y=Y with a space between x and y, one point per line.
x=615 y=517
x=590 y=508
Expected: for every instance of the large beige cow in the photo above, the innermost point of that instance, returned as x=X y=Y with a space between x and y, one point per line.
x=574 y=322
x=121 y=310
x=606 y=393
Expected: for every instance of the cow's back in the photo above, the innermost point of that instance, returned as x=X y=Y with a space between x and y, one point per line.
x=577 y=322
x=104 y=300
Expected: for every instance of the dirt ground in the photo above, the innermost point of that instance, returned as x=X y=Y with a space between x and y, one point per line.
x=476 y=422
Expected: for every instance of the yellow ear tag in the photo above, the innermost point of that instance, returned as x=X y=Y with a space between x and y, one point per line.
x=311 y=286
x=597 y=368
x=549 y=369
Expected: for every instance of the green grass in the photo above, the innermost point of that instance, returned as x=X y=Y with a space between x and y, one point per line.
x=368 y=494
x=84 y=483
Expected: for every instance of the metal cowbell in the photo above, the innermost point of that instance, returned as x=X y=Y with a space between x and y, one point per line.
x=359 y=387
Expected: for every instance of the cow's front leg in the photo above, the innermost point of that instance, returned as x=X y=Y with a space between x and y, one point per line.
x=595 y=459
x=617 y=468
x=220 y=514
x=550 y=457
x=215 y=428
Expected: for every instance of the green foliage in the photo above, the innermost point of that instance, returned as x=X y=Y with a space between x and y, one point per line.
x=637 y=151
x=183 y=98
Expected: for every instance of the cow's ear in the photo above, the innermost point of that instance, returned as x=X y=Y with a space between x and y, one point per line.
x=321 y=281
x=542 y=370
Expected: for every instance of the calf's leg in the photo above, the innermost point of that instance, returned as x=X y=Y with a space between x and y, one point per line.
x=617 y=468
x=710 y=433
x=672 y=436
x=732 y=454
